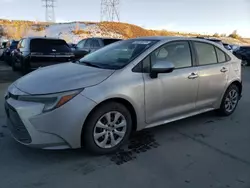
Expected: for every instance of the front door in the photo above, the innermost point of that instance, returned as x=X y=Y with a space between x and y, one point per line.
x=213 y=75
x=171 y=95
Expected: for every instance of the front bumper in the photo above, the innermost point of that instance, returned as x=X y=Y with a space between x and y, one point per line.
x=58 y=129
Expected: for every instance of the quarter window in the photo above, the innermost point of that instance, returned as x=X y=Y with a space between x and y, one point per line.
x=177 y=53
x=206 y=53
x=221 y=55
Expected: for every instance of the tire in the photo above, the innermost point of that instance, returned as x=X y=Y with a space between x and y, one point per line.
x=14 y=68
x=224 y=109
x=90 y=128
x=24 y=68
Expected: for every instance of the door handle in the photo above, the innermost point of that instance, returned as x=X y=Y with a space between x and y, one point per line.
x=193 y=75
x=224 y=69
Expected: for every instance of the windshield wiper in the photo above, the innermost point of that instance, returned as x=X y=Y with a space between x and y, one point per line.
x=90 y=64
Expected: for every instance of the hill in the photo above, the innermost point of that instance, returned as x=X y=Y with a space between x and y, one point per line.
x=75 y=31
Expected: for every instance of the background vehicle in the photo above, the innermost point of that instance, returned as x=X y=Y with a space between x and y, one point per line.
x=2 y=48
x=243 y=53
x=72 y=46
x=89 y=45
x=228 y=47
x=35 y=52
x=100 y=100
x=234 y=46
x=10 y=46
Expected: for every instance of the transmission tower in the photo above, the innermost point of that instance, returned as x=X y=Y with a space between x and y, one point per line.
x=49 y=10
x=110 y=10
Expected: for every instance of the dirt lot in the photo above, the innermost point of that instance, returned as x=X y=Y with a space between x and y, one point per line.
x=199 y=152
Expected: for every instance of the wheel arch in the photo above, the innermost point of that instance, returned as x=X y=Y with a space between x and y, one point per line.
x=237 y=83
x=122 y=101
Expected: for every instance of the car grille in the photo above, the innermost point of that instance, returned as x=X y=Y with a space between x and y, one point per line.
x=16 y=125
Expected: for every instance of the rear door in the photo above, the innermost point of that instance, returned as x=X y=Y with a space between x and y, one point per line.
x=213 y=68
x=94 y=45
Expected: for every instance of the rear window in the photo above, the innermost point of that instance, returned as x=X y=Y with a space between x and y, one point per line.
x=47 y=45
x=109 y=41
x=14 y=43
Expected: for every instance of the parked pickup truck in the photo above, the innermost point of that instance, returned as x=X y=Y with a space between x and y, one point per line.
x=89 y=45
x=32 y=53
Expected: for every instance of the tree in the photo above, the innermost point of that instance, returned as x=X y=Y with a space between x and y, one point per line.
x=216 y=35
x=1 y=31
x=223 y=35
x=234 y=35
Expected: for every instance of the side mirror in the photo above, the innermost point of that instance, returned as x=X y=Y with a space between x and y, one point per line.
x=161 y=67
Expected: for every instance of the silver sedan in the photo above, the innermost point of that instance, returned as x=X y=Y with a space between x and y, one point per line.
x=127 y=86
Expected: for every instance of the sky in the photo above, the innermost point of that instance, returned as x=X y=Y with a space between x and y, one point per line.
x=201 y=16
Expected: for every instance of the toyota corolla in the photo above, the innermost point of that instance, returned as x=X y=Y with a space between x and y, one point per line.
x=127 y=86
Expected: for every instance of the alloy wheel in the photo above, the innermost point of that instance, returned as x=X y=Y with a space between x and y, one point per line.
x=110 y=129
x=231 y=100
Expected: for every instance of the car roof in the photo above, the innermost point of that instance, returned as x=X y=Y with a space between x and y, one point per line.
x=163 y=38
x=170 y=38
x=48 y=38
x=103 y=38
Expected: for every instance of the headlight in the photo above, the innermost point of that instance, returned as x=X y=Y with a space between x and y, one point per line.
x=52 y=101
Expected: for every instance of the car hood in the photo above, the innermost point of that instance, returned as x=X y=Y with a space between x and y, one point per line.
x=61 y=77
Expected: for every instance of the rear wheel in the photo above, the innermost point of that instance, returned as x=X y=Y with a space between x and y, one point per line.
x=24 y=67
x=107 y=128
x=229 y=101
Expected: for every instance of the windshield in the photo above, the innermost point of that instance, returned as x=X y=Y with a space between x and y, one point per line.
x=117 y=55
x=48 y=45
x=109 y=41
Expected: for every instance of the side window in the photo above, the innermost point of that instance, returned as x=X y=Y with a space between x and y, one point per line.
x=95 y=43
x=178 y=53
x=81 y=44
x=221 y=55
x=19 y=45
x=22 y=43
x=87 y=43
x=206 y=53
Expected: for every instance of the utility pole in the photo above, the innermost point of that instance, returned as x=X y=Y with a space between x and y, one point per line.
x=110 y=10
x=49 y=10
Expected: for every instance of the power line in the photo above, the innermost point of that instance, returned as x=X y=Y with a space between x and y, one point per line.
x=110 y=10
x=49 y=10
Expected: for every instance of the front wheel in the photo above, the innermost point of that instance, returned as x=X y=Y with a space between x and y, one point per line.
x=25 y=69
x=107 y=128
x=229 y=101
